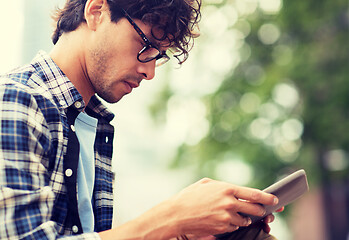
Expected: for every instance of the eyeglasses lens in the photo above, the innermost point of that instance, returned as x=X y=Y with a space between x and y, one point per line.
x=148 y=54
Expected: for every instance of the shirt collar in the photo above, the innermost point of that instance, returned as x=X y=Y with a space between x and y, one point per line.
x=63 y=90
x=96 y=108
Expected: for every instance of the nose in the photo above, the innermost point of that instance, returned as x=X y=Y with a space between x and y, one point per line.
x=147 y=69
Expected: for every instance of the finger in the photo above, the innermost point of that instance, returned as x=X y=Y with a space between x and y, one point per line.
x=254 y=195
x=280 y=209
x=204 y=180
x=233 y=228
x=239 y=220
x=269 y=218
x=226 y=229
x=266 y=228
x=250 y=208
x=207 y=238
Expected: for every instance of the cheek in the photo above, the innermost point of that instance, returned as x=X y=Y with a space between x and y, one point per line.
x=110 y=61
x=100 y=64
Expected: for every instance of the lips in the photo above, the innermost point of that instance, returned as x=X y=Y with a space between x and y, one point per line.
x=130 y=85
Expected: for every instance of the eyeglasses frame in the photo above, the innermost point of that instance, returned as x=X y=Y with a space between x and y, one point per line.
x=148 y=43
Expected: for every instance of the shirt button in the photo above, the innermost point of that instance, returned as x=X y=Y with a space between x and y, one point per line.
x=75 y=229
x=77 y=104
x=106 y=139
x=62 y=102
x=72 y=128
x=68 y=172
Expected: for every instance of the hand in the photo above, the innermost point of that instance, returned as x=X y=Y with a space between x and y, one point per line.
x=269 y=219
x=192 y=237
x=210 y=207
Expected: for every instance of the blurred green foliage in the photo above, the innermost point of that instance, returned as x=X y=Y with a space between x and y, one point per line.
x=286 y=105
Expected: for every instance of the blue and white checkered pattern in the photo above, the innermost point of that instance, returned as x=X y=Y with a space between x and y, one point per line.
x=34 y=137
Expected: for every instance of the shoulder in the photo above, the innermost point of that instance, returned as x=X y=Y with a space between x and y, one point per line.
x=26 y=116
x=28 y=81
x=14 y=92
x=19 y=99
x=27 y=78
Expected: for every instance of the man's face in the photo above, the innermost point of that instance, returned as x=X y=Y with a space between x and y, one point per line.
x=111 y=61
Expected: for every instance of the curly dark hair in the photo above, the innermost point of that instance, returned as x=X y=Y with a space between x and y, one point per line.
x=177 y=19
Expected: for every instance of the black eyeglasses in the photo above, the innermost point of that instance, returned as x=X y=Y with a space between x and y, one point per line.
x=149 y=51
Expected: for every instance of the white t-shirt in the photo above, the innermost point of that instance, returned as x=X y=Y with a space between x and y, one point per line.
x=85 y=129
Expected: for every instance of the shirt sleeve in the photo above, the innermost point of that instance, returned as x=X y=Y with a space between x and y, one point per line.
x=26 y=199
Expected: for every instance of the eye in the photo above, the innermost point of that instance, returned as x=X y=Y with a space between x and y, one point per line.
x=141 y=43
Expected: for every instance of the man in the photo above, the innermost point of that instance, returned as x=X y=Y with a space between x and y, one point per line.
x=56 y=139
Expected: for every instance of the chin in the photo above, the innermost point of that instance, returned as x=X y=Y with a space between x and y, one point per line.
x=110 y=99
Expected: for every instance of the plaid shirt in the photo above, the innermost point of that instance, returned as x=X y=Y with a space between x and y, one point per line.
x=34 y=134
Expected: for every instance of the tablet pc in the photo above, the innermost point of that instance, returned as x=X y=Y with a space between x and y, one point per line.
x=287 y=190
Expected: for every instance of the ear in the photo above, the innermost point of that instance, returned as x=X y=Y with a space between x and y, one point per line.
x=95 y=12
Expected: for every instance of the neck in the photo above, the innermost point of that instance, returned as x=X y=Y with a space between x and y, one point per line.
x=68 y=54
